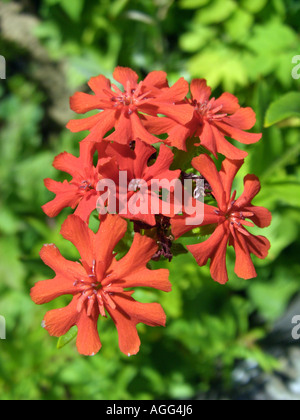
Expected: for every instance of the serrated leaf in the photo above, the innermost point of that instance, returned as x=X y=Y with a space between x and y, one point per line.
x=272 y=38
x=239 y=24
x=220 y=65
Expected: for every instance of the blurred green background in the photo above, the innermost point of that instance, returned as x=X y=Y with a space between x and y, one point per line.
x=52 y=47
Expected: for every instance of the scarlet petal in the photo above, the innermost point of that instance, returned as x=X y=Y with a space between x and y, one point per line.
x=52 y=257
x=251 y=189
x=73 y=165
x=178 y=133
x=208 y=139
x=77 y=231
x=139 y=131
x=243 y=118
x=143 y=152
x=157 y=79
x=259 y=246
x=123 y=130
x=228 y=172
x=229 y=102
x=218 y=268
x=99 y=83
x=113 y=228
x=128 y=314
x=129 y=341
x=88 y=341
x=66 y=273
x=132 y=270
x=124 y=75
x=83 y=102
x=181 y=113
x=157 y=279
x=237 y=134
x=58 y=321
x=47 y=290
x=86 y=206
x=214 y=248
x=66 y=196
x=180 y=227
x=200 y=91
x=225 y=148
x=178 y=136
x=262 y=216
x=147 y=313
x=160 y=169
x=84 y=124
x=175 y=93
x=244 y=267
x=157 y=125
x=205 y=165
x=104 y=124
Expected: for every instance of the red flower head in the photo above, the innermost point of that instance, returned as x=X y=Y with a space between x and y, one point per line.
x=230 y=217
x=97 y=285
x=81 y=191
x=121 y=108
x=137 y=189
x=213 y=120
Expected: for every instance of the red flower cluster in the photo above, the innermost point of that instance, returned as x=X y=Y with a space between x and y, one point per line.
x=129 y=119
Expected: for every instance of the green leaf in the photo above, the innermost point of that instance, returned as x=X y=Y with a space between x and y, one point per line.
x=239 y=24
x=67 y=338
x=192 y=4
x=216 y=12
x=196 y=39
x=117 y=7
x=220 y=64
x=279 y=293
x=272 y=37
x=73 y=8
x=253 y=6
x=288 y=106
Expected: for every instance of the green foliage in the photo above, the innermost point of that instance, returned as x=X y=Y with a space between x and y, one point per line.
x=244 y=47
x=285 y=108
x=237 y=43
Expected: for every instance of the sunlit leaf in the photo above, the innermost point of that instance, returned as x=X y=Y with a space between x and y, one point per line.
x=288 y=106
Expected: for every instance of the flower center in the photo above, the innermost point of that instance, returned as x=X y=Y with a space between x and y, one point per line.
x=85 y=186
x=135 y=185
x=131 y=98
x=96 y=293
x=208 y=110
x=236 y=217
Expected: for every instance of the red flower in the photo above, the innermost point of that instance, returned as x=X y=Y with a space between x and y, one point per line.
x=121 y=108
x=230 y=217
x=97 y=285
x=213 y=119
x=81 y=191
x=139 y=178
